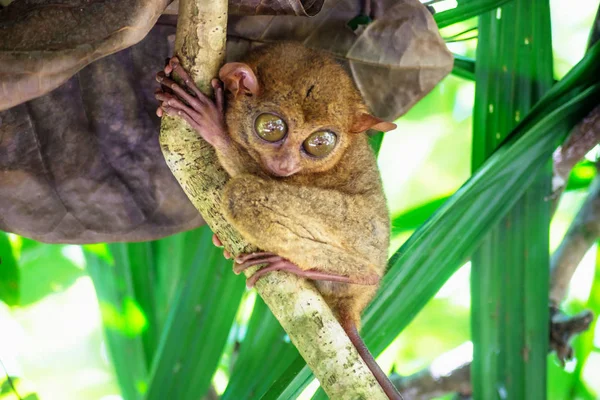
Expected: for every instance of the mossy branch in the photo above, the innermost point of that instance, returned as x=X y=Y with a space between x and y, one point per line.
x=200 y=46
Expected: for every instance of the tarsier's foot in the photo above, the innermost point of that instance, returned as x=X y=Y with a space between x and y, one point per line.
x=203 y=114
x=277 y=263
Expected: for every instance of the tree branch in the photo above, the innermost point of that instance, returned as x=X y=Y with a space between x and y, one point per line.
x=581 y=235
x=583 y=138
x=425 y=384
x=200 y=46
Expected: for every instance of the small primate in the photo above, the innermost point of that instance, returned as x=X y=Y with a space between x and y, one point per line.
x=304 y=184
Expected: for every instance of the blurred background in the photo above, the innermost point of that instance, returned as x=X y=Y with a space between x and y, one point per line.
x=55 y=342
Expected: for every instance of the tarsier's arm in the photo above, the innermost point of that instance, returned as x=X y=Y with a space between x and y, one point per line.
x=204 y=115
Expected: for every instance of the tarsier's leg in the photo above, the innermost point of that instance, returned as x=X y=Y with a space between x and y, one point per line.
x=325 y=234
x=204 y=115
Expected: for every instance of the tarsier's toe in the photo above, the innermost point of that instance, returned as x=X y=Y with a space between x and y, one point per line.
x=217 y=242
x=246 y=257
x=246 y=261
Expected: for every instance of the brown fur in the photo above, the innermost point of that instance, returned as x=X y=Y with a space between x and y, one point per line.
x=332 y=214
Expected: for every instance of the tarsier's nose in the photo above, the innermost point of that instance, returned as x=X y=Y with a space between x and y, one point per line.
x=284 y=167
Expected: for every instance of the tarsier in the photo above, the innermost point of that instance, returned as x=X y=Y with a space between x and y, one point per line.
x=304 y=184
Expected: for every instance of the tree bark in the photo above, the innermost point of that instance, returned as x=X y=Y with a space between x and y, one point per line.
x=200 y=46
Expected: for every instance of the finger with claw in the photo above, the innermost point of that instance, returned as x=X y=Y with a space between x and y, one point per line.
x=203 y=114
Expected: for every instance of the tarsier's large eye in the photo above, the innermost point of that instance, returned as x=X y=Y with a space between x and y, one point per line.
x=320 y=143
x=270 y=127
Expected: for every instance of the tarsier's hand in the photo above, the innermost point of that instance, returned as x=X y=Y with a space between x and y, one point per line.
x=203 y=114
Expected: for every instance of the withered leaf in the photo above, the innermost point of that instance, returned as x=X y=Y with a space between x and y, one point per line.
x=82 y=164
x=42 y=44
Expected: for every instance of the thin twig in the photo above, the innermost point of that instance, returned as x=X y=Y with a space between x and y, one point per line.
x=583 y=138
x=582 y=234
x=425 y=384
x=563 y=328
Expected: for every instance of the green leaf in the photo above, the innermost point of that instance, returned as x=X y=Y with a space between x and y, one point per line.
x=466 y=9
x=9 y=273
x=413 y=218
x=141 y=262
x=510 y=276
x=442 y=244
x=121 y=315
x=375 y=141
x=464 y=67
x=291 y=382
x=265 y=343
x=581 y=176
x=197 y=327
x=8 y=384
x=583 y=344
x=45 y=270
x=173 y=257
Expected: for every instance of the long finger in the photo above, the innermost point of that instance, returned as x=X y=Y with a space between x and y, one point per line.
x=219 y=98
x=174 y=102
x=239 y=268
x=180 y=113
x=185 y=77
x=179 y=91
x=242 y=258
x=169 y=67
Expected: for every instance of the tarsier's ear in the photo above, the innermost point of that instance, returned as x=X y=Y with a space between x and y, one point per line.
x=364 y=122
x=239 y=78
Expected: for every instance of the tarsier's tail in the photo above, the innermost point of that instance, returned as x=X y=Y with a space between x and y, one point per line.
x=388 y=387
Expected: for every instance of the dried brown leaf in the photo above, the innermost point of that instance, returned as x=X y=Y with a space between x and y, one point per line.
x=82 y=164
x=42 y=44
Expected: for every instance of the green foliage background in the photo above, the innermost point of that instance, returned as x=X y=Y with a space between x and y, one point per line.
x=168 y=319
